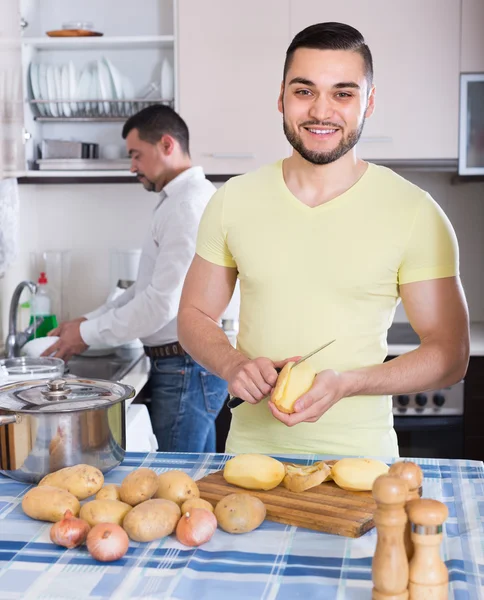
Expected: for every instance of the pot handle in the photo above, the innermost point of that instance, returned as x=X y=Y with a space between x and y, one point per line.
x=7 y=419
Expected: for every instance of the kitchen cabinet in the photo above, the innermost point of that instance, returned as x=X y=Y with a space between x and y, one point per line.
x=415 y=48
x=231 y=58
x=11 y=107
x=137 y=43
x=472 y=38
x=474 y=409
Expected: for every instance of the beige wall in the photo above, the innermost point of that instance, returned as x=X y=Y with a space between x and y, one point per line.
x=91 y=219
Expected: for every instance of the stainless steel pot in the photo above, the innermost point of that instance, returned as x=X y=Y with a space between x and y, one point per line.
x=48 y=425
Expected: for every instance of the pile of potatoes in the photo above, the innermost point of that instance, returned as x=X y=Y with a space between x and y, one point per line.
x=146 y=505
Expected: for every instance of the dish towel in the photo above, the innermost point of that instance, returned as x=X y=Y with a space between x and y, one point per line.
x=9 y=210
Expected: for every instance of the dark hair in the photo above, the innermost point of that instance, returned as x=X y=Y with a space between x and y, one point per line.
x=155 y=121
x=331 y=36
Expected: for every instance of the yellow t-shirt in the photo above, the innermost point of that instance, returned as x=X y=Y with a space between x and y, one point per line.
x=308 y=275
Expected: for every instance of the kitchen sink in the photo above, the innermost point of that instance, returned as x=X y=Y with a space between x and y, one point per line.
x=112 y=367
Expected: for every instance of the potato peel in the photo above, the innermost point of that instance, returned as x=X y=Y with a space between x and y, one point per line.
x=299 y=478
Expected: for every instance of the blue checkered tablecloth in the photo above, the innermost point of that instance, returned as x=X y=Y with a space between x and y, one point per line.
x=274 y=562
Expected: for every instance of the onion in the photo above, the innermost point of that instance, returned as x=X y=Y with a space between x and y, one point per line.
x=107 y=542
x=196 y=527
x=70 y=532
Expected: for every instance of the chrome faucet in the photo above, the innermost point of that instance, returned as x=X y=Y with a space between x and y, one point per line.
x=16 y=339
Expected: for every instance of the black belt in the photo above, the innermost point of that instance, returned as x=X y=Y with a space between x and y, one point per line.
x=165 y=351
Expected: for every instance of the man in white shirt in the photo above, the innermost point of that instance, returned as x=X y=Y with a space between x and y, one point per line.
x=185 y=398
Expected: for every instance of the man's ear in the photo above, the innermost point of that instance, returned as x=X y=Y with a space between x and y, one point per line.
x=167 y=144
x=371 y=103
x=280 y=101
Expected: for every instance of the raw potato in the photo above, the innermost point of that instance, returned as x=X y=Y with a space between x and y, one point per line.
x=152 y=520
x=195 y=503
x=109 y=492
x=47 y=503
x=299 y=478
x=138 y=486
x=291 y=385
x=104 y=511
x=240 y=513
x=357 y=474
x=254 y=471
x=176 y=486
x=81 y=480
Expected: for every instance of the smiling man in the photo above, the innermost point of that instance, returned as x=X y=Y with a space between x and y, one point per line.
x=325 y=245
x=185 y=398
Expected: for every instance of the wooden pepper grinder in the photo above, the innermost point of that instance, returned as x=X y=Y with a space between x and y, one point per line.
x=390 y=564
x=412 y=474
x=428 y=576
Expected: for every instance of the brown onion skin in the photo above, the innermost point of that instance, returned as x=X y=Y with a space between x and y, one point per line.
x=70 y=532
x=196 y=527
x=107 y=542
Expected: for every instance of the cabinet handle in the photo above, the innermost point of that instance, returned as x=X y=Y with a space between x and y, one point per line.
x=232 y=155
x=376 y=140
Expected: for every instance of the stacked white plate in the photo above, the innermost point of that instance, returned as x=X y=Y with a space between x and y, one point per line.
x=90 y=92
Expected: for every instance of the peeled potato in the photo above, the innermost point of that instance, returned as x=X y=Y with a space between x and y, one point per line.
x=291 y=385
x=299 y=478
x=254 y=471
x=357 y=474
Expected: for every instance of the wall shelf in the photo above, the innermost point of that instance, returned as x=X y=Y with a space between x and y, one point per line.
x=97 y=43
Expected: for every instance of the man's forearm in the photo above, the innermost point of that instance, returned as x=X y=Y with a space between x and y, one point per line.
x=432 y=365
x=207 y=343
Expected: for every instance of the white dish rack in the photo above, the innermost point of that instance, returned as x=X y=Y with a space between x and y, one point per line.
x=94 y=109
x=97 y=91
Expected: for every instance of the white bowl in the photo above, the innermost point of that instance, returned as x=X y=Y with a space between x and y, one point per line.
x=36 y=347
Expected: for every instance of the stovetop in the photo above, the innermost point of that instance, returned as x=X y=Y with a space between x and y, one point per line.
x=436 y=403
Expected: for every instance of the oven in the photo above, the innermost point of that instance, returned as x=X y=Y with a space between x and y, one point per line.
x=428 y=424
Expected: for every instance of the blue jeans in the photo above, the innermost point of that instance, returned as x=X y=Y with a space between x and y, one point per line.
x=185 y=401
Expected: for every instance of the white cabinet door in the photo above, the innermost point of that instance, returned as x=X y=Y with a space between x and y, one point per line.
x=472 y=36
x=11 y=98
x=415 y=47
x=230 y=61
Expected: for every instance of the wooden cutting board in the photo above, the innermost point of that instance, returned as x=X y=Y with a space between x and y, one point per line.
x=325 y=507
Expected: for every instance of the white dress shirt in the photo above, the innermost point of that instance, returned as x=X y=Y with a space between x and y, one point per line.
x=148 y=309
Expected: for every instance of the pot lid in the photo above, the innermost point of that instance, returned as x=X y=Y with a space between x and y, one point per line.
x=62 y=395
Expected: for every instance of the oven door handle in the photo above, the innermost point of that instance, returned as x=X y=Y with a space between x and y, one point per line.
x=420 y=423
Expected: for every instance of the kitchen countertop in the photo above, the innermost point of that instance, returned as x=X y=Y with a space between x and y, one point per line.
x=275 y=561
x=477 y=343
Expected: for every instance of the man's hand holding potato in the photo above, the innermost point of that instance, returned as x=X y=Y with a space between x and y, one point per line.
x=253 y=380
x=327 y=388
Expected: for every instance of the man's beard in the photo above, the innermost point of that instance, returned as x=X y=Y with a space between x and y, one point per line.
x=147 y=184
x=322 y=158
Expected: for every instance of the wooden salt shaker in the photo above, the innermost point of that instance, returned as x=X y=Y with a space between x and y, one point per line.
x=428 y=578
x=412 y=474
x=390 y=564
